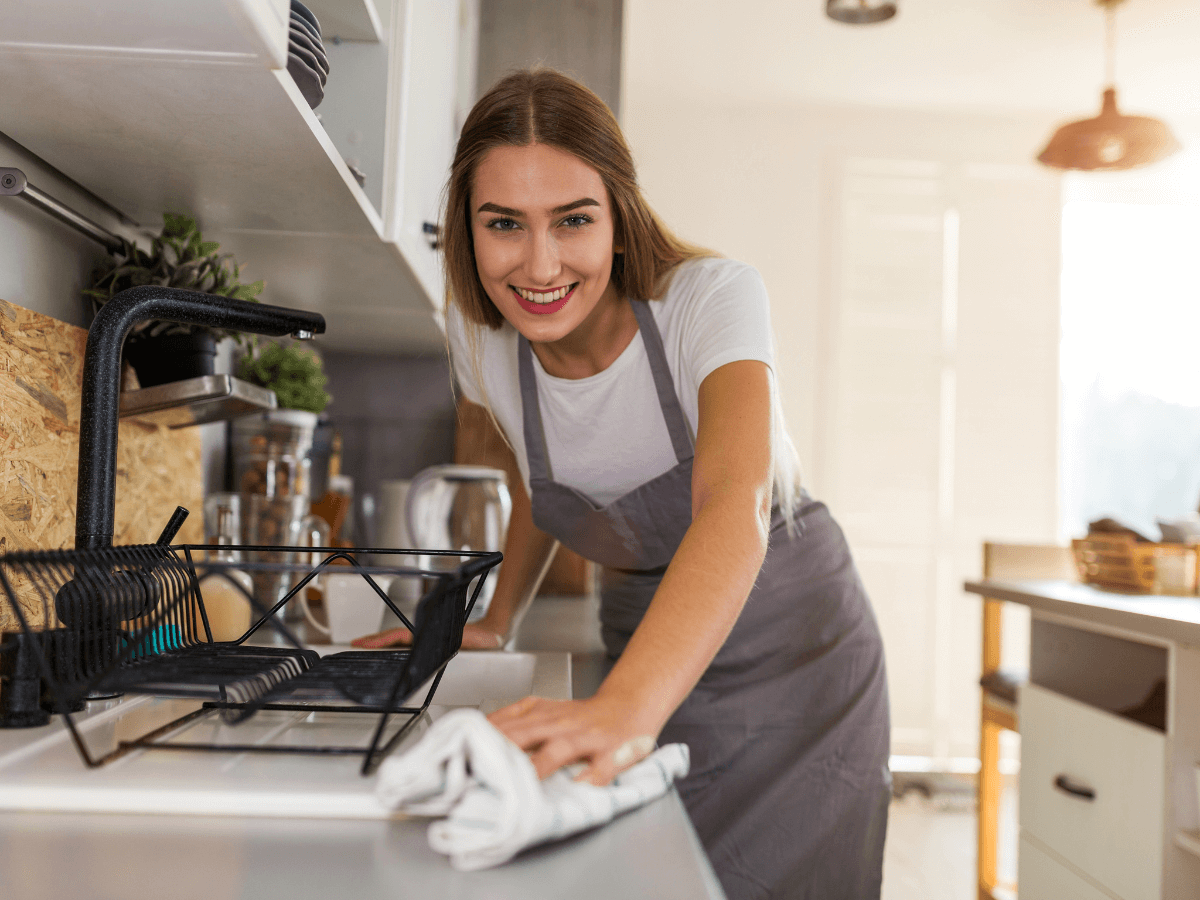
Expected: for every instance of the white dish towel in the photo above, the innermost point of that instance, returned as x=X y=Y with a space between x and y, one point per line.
x=492 y=800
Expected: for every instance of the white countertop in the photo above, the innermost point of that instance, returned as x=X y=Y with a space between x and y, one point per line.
x=1157 y=615
x=651 y=852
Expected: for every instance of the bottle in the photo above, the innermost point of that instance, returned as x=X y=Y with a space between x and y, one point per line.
x=225 y=590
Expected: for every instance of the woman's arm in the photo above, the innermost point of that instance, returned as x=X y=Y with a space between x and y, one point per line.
x=697 y=602
x=527 y=554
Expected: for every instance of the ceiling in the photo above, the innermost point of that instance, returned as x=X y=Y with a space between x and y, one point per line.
x=977 y=55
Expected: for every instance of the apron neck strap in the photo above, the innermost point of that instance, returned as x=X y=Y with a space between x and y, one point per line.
x=681 y=438
x=664 y=384
x=535 y=434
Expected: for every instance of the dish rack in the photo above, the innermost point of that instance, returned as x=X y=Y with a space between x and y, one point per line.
x=132 y=620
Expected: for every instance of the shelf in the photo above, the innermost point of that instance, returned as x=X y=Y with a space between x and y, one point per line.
x=349 y=20
x=1189 y=841
x=176 y=123
x=197 y=401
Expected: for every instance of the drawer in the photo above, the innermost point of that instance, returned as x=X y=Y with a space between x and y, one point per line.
x=1041 y=877
x=1069 y=749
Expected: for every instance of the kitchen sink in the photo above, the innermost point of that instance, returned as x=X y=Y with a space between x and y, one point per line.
x=40 y=768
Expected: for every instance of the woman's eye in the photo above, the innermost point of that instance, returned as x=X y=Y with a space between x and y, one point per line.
x=577 y=221
x=503 y=224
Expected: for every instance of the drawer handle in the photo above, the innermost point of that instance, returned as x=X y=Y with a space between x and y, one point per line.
x=1067 y=786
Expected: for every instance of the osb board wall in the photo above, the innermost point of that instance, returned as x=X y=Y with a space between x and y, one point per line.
x=41 y=368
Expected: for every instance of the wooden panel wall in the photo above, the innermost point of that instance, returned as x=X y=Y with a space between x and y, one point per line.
x=41 y=366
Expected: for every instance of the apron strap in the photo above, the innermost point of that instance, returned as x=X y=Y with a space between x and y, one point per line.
x=535 y=434
x=681 y=437
x=664 y=385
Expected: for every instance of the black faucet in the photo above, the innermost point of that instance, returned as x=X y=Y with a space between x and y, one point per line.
x=100 y=407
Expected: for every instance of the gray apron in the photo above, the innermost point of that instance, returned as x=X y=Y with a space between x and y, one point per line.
x=788 y=727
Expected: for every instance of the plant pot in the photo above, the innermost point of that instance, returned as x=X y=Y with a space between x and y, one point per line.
x=171 y=357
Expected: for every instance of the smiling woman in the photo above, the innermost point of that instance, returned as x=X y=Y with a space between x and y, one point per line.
x=535 y=262
x=631 y=376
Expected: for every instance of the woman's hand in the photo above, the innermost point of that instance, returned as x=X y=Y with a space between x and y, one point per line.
x=606 y=735
x=476 y=636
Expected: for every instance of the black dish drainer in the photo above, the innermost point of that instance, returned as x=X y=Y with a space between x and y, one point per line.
x=132 y=620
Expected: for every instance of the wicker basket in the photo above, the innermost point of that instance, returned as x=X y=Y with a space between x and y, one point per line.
x=1119 y=562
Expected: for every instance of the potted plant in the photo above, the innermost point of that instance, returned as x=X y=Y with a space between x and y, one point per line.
x=294 y=374
x=161 y=352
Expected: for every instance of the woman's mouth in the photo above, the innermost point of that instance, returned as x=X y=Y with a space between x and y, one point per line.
x=543 y=302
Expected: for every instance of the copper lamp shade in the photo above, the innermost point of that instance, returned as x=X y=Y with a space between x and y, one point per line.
x=859 y=12
x=1109 y=141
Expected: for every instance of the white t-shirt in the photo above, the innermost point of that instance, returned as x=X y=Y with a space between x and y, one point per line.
x=605 y=434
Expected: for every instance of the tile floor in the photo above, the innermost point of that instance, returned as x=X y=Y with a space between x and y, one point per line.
x=930 y=850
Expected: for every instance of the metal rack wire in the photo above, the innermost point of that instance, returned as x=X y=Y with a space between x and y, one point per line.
x=132 y=620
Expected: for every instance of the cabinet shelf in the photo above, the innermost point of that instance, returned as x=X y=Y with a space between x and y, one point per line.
x=196 y=401
x=347 y=20
x=210 y=123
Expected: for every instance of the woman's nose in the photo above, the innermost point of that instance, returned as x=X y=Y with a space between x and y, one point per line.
x=543 y=263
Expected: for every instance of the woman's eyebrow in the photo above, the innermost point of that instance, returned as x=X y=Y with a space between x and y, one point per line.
x=502 y=210
x=516 y=213
x=586 y=201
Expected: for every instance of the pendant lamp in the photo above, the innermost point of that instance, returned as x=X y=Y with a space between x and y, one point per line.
x=1111 y=140
x=859 y=12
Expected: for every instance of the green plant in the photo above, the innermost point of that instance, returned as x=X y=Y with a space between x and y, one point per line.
x=179 y=258
x=292 y=373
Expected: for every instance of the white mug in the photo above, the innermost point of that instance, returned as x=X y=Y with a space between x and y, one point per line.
x=351 y=606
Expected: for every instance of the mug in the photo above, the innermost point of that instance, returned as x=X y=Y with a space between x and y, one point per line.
x=351 y=606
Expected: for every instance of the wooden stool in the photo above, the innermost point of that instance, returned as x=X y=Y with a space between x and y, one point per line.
x=998 y=706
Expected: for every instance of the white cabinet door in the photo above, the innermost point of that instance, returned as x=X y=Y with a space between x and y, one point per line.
x=1041 y=877
x=1092 y=790
x=422 y=98
x=233 y=33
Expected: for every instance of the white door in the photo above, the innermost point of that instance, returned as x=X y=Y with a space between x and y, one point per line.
x=938 y=425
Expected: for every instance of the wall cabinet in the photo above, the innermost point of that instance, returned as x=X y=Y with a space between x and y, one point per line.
x=189 y=107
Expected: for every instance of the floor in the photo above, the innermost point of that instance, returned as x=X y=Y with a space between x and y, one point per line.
x=930 y=850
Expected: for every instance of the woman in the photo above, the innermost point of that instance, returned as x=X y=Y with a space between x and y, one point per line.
x=630 y=374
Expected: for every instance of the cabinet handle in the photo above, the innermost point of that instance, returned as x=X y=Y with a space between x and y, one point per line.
x=431 y=232
x=1067 y=786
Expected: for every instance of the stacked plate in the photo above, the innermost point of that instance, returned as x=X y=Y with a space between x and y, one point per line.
x=307 y=63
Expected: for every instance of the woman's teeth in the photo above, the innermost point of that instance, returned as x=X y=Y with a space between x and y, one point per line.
x=537 y=297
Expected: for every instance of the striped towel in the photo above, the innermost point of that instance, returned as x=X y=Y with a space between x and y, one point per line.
x=489 y=799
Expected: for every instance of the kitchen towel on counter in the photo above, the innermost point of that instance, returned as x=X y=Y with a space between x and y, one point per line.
x=494 y=804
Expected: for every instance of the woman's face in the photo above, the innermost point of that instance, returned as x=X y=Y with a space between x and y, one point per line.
x=543 y=231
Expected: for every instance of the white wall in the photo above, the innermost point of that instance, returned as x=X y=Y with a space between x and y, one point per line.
x=44 y=265
x=766 y=182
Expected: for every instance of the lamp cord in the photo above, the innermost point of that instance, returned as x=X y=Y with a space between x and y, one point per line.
x=1110 y=45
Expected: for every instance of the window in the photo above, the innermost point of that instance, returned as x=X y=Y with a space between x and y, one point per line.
x=1130 y=364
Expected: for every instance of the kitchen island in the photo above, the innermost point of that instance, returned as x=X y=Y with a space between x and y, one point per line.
x=650 y=852
x=1110 y=742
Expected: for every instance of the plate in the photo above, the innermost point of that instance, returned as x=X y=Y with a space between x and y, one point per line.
x=306 y=79
x=305 y=13
x=298 y=38
x=309 y=60
x=295 y=21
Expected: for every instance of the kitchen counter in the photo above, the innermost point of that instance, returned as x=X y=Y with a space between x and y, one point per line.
x=1110 y=742
x=1162 y=616
x=650 y=852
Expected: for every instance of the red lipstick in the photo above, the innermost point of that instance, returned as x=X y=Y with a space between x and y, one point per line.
x=543 y=309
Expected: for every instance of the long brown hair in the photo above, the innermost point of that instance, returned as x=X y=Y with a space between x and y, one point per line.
x=546 y=107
